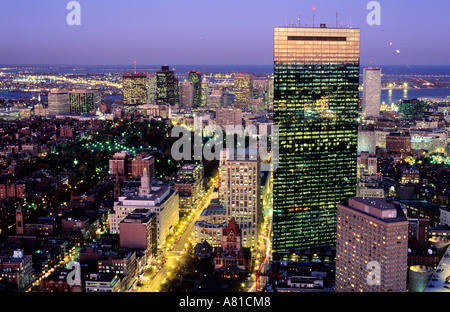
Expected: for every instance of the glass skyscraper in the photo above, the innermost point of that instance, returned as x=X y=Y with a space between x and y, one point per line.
x=316 y=77
x=196 y=78
x=166 y=86
x=134 y=89
x=371 y=92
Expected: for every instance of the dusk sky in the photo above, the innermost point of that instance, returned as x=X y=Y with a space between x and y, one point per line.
x=211 y=32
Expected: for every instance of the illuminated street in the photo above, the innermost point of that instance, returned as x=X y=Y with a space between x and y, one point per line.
x=152 y=282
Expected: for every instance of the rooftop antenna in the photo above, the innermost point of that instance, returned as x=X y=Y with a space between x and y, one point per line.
x=337 y=14
x=314 y=11
x=299 y=24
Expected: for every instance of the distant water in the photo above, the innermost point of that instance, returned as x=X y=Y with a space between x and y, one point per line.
x=386 y=96
x=258 y=69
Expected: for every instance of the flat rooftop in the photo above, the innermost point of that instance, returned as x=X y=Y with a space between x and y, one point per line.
x=440 y=280
x=376 y=207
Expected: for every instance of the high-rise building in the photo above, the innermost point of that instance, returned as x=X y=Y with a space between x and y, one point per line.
x=138 y=230
x=316 y=79
x=243 y=90
x=372 y=246
x=84 y=100
x=228 y=116
x=140 y=163
x=371 y=100
x=187 y=94
x=196 y=78
x=269 y=94
x=399 y=142
x=166 y=86
x=239 y=193
x=205 y=90
x=162 y=200
x=151 y=88
x=58 y=102
x=119 y=163
x=134 y=89
x=215 y=99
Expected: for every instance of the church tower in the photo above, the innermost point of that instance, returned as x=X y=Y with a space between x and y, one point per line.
x=117 y=187
x=145 y=183
x=19 y=221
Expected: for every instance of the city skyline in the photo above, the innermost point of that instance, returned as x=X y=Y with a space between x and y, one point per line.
x=211 y=34
x=292 y=159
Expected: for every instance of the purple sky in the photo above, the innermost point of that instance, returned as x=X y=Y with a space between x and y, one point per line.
x=211 y=32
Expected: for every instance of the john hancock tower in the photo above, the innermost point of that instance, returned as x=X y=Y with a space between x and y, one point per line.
x=316 y=77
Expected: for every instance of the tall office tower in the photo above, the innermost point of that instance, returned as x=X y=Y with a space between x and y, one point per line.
x=196 y=78
x=205 y=90
x=316 y=78
x=239 y=183
x=134 y=89
x=243 y=90
x=58 y=102
x=187 y=94
x=84 y=100
x=269 y=94
x=151 y=88
x=372 y=246
x=371 y=100
x=166 y=92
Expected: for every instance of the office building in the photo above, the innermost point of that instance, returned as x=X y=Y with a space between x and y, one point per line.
x=215 y=99
x=367 y=141
x=243 y=90
x=139 y=231
x=58 y=102
x=371 y=246
x=399 y=142
x=228 y=116
x=367 y=165
x=161 y=200
x=166 y=86
x=84 y=101
x=134 y=89
x=371 y=100
x=140 y=163
x=240 y=193
x=119 y=163
x=16 y=270
x=196 y=78
x=316 y=79
x=151 y=88
x=186 y=94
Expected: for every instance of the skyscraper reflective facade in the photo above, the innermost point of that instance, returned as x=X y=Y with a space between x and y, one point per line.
x=84 y=100
x=371 y=100
x=166 y=86
x=58 y=102
x=134 y=89
x=196 y=78
x=316 y=78
x=243 y=90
